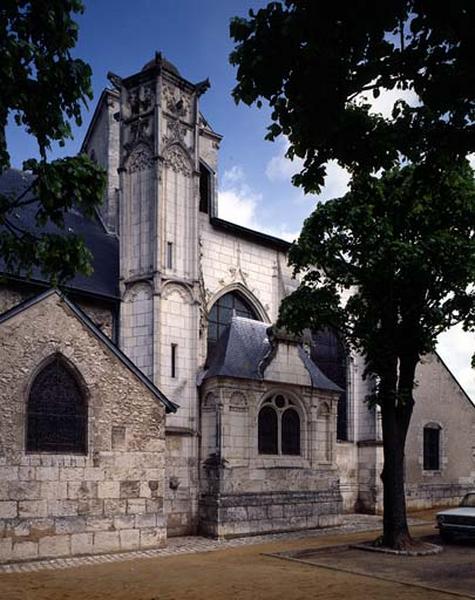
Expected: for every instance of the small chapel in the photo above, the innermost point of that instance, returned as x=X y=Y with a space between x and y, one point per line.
x=156 y=397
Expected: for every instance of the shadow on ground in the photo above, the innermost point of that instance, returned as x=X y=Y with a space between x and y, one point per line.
x=452 y=571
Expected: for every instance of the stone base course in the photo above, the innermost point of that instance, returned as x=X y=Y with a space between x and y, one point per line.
x=352 y=523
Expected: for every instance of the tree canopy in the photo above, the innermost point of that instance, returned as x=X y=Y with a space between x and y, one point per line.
x=395 y=263
x=42 y=89
x=314 y=62
x=392 y=263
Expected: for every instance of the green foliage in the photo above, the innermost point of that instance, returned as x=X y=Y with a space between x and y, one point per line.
x=392 y=263
x=311 y=60
x=396 y=263
x=408 y=247
x=43 y=87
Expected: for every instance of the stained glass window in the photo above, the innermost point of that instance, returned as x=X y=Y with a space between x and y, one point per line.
x=222 y=312
x=267 y=431
x=290 y=432
x=56 y=412
x=278 y=427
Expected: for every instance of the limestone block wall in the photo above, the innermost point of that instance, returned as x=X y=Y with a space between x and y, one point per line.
x=227 y=260
x=347 y=461
x=440 y=400
x=181 y=482
x=176 y=349
x=102 y=315
x=136 y=331
x=109 y=499
x=243 y=492
x=370 y=466
x=102 y=143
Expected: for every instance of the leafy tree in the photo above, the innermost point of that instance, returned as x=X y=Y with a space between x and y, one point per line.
x=392 y=263
x=405 y=254
x=42 y=88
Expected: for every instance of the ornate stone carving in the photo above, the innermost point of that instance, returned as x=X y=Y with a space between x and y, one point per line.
x=174 y=102
x=176 y=131
x=238 y=402
x=176 y=288
x=141 y=99
x=176 y=159
x=209 y=401
x=142 y=290
x=140 y=130
x=140 y=159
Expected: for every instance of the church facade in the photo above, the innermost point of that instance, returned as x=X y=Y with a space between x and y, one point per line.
x=252 y=430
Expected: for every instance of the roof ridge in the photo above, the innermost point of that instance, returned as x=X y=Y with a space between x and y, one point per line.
x=85 y=319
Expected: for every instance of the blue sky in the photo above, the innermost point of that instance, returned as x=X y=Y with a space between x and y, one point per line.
x=254 y=175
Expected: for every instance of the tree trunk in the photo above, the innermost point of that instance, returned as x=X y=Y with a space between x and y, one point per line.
x=396 y=408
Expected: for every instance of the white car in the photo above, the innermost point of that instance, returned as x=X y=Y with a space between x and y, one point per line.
x=458 y=521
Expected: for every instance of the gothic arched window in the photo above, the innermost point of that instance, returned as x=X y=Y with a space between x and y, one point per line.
x=56 y=411
x=290 y=432
x=328 y=353
x=222 y=312
x=278 y=427
x=267 y=431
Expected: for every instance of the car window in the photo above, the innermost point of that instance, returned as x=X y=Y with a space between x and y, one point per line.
x=468 y=500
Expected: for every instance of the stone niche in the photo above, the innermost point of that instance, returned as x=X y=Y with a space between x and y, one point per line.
x=107 y=497
x=247 y=492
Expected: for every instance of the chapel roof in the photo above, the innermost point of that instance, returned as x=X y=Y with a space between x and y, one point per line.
x=103 y=246
x=245 y=349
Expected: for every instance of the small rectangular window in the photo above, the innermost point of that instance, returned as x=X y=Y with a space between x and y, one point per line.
x=431 y=449
x=205 y=189
x=173 y=360
x=169 y=255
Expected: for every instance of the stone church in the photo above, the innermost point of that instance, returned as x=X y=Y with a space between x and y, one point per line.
x=156 y=397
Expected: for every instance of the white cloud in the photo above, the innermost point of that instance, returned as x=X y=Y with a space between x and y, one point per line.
x=384 y=103
x=238 y=203
x=336 y=182
x=237 y=207
x=456 y=348
x=281 y=169
x=233 y=175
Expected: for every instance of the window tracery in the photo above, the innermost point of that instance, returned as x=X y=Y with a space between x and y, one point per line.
x=56 y=411
x=279 y=429
x=222 y=312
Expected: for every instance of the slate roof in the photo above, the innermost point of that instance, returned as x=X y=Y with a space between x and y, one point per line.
x=103 y=246
x=252 y=235
x=89 y=324
x=244 y=347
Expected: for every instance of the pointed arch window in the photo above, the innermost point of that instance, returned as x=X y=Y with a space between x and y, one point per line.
x=56 y=419
x=222 y=312
x=290 y=432
x=278 y=427
x=268 y=431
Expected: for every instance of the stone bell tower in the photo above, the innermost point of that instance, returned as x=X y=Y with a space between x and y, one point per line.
x=159 y=195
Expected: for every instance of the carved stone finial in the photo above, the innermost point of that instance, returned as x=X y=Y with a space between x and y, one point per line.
x=115 y=80
x=202 y=86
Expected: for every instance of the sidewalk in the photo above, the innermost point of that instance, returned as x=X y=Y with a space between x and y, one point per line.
x=198 y=568
x=352 y=523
